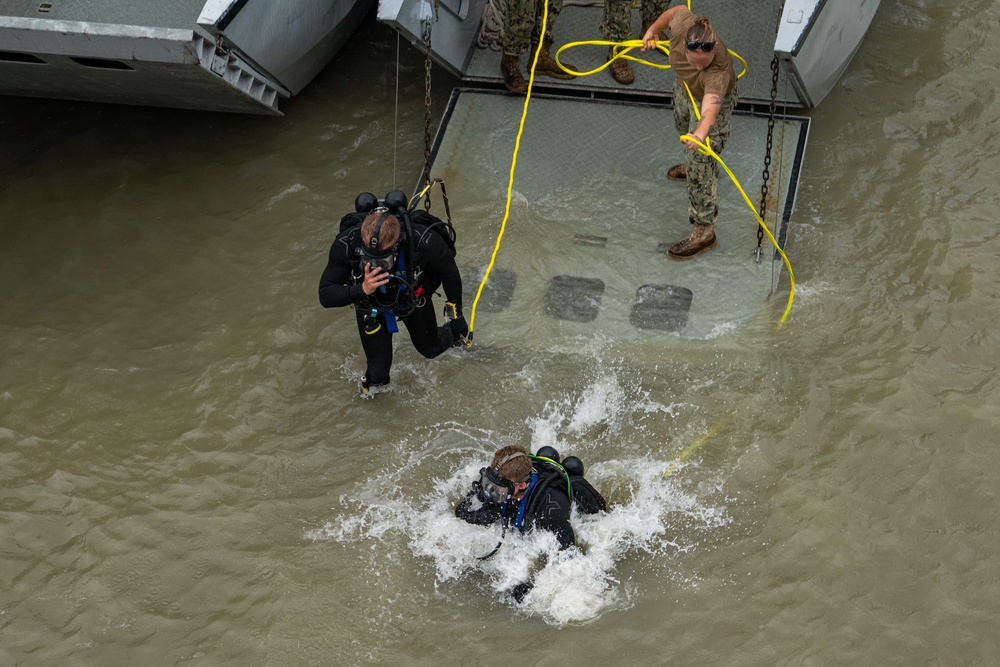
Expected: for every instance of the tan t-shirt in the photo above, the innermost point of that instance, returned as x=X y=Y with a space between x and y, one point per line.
x=718 y=78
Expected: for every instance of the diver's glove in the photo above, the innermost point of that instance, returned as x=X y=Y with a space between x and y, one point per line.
x=456 y=322
x=520 y=591
x=452 y=311
x=478 y=488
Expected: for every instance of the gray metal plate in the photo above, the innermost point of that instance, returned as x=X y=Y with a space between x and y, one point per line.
x=662 y=307
x=596 y=170
x=574 y=298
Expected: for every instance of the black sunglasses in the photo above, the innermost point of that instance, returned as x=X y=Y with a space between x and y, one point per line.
x=704 y=46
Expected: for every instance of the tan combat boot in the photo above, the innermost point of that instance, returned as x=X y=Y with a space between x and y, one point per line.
x=621 y=69
x=547 y=65
x=510 y=67
x=701 y=238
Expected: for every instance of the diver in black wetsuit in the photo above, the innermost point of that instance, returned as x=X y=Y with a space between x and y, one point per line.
x=387 y=262
x=530 y=492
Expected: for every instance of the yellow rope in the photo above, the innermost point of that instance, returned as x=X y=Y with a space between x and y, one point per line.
x=513 y=165
x=621 y=50
x=698 y=442
x=706 y=149
x=417 y=197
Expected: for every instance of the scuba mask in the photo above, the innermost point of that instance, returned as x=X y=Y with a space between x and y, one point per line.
x=371 y=254
x=385 y=260
x=497 y=489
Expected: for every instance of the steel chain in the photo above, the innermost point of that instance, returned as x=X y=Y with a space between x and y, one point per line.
x=766 y=176
x=427 y=112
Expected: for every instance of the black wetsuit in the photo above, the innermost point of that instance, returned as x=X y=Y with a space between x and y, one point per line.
x=340 y=285
x=547 y=506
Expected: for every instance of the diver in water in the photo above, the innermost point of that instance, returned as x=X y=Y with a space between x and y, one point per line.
x=387 y=262
x=530 y=492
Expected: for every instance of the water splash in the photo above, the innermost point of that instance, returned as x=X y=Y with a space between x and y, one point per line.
x=651 y=519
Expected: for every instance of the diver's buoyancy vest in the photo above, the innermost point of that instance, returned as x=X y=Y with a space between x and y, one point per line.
x=548 y=475
x=581 y=492
x=402 y=304
x=442 y=228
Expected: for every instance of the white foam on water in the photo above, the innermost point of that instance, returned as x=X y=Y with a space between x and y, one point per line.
x=292 y=189
x=600 y=402
x=651 y=518
x=720 y=329
x=807 y=290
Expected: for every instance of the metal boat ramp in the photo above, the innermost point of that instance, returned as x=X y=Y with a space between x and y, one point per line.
x=592 y=212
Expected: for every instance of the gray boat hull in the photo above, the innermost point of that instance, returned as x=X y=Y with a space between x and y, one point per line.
x=223 y=55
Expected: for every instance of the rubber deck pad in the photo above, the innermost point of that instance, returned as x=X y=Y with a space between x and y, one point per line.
x=661 y=307
x=573 y=298
x=499 y=291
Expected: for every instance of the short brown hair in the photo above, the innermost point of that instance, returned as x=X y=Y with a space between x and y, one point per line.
x=388 y=234
x=701 y=31
x=518 y=469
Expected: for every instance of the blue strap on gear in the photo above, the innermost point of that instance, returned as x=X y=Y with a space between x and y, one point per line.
x=402 y=265
x=390 y=315
x=524 y=500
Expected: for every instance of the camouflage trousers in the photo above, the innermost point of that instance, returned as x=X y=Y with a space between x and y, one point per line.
x=617 y=23
x=703 y=170
x=523 y=23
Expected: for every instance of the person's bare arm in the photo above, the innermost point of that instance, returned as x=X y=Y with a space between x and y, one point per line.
x=651 y=37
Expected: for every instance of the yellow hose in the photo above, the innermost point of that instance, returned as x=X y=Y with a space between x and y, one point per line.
x=621 y=50
x=510 y=180
x=706 y=149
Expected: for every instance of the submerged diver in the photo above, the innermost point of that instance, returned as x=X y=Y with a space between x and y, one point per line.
x=387 y=262
x=530 y=492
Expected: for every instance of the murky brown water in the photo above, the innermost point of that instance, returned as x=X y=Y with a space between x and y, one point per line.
x=188 y=477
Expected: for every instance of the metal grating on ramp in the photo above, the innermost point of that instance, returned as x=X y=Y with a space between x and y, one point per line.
x=592 y=169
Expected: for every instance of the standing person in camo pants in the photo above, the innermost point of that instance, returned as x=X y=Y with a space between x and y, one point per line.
x=522 y=22
x=703 y=65
x=617 y=27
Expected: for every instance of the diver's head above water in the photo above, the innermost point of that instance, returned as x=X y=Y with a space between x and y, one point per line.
x=380 y=239
x=507 y=476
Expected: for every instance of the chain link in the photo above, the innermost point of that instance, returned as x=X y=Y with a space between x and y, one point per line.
x=766 y=176
x=427 y=112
